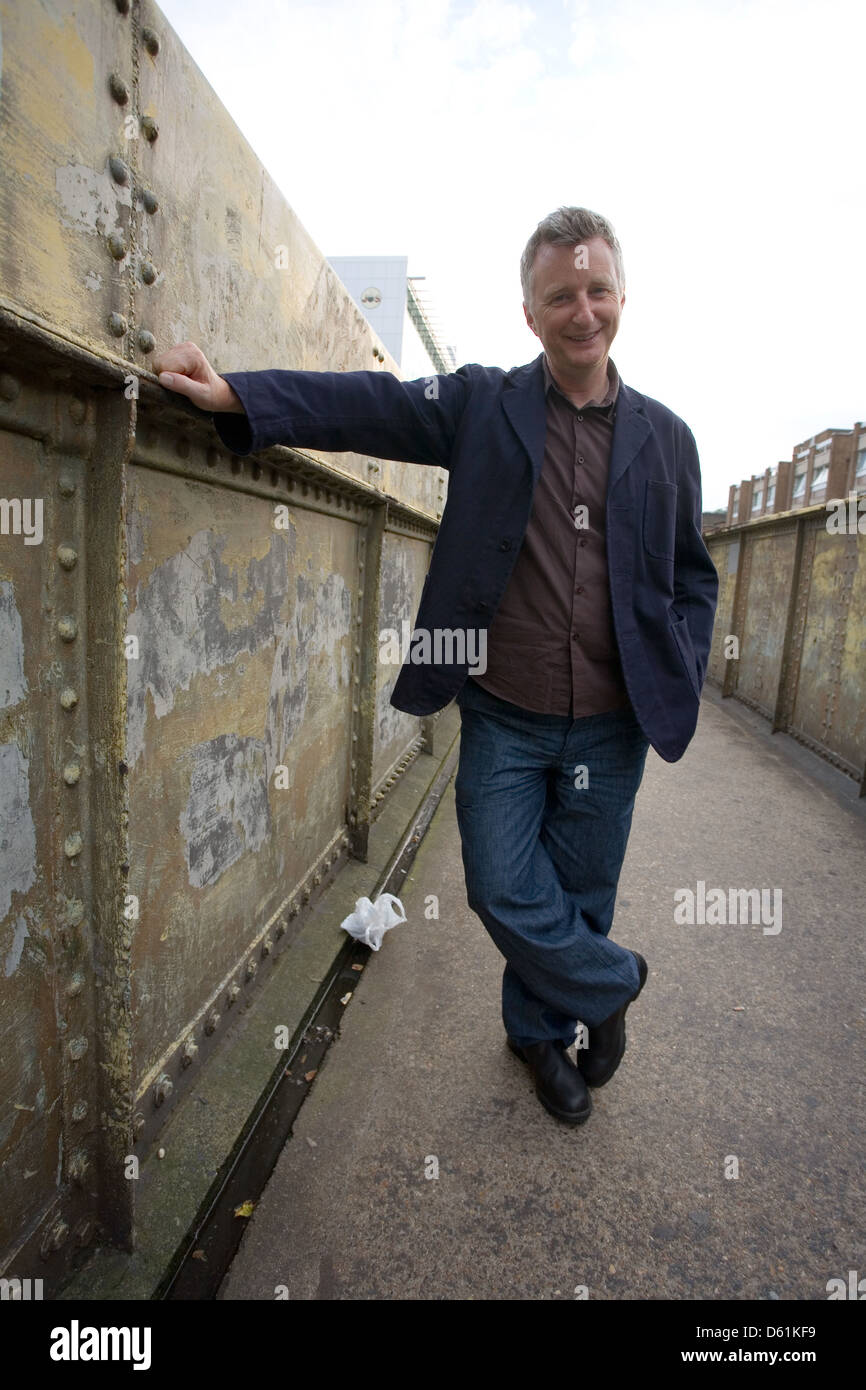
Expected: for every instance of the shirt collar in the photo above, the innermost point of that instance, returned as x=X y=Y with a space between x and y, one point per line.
x=609 y=396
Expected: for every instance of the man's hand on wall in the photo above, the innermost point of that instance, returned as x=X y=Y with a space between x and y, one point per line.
x=185 y=369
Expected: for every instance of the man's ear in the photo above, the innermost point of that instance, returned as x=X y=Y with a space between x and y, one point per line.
x=529 y=319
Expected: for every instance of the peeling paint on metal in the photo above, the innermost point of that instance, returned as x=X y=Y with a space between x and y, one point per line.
x=13 y=686
x=179 y=621
x=90 y=201
x=20 y=934
x=17 y=831
x=227 y=813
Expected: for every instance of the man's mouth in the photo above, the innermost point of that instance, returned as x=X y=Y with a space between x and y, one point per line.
x=586 y=339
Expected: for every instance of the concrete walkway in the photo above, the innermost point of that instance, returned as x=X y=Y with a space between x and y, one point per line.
x=745 y=1045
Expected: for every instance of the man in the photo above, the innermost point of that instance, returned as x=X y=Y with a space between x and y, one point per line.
x=571 y=539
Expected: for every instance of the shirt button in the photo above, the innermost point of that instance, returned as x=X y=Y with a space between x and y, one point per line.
x=581 y=459
x=580 y=417
x=579 y=589
x=505 y=545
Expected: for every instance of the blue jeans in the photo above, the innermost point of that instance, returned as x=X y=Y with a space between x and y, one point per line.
x=544 y=806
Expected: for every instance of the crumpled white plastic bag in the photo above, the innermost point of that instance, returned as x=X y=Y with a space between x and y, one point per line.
x=370 y=921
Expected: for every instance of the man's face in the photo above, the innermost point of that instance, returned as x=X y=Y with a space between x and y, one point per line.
x=575 y=305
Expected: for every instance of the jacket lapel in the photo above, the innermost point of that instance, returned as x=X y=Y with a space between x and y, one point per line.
x=630 y=430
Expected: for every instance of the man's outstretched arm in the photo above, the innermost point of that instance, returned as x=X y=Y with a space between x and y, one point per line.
x=361 y=412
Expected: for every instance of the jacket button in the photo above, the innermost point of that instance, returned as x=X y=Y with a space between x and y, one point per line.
x=505 y=545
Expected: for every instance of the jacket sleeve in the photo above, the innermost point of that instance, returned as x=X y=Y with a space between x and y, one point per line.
x=372 y=413
x=696 y=581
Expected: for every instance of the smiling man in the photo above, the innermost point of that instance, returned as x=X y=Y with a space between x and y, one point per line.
x=570 y=536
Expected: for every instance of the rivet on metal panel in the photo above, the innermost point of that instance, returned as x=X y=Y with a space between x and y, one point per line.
x=79 y=1111
x=294 y=909
x=10 y=389
x=390 y=781
x=72 y=774
x=75 y=985
x=149 y=128
x=78 y=1166
x=163 y=1088
x=119 y=169
x=267 y=946
x=335 y=856
x=252 y=967
x=149 y=200
x=317 y=878
x=233 y=995
x=150 y=41
x=305 y=896
x=117 y=245
x=67 y=628
x=211 y=1022
x=117 y=325
x=77 y=1048
x=73 y=844
x=146 y=340
x=147 y=271
x=189 y=1053
x=54 y=1238
x=281 y=929
x=119 y=89
x=345 y=841
x=67 y=556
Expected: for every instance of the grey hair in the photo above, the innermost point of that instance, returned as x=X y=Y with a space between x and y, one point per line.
x=568 y=227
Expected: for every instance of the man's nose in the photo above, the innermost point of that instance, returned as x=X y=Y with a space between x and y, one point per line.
x=582 y=310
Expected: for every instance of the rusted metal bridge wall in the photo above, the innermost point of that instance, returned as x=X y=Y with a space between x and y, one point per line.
x=195 y=728
x=792 y=592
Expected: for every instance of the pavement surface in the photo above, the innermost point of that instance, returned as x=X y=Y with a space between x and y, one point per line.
x=725 y=1157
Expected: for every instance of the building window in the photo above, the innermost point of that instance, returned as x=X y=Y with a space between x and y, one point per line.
x=819 y=479
x=799 y=486
x=860 y=475
x=771 y=494
x=757 y=499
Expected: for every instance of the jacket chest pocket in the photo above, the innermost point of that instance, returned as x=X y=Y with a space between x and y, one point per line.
x=660 y=519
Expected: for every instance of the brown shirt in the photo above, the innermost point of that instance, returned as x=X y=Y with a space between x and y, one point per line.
x=551 y=646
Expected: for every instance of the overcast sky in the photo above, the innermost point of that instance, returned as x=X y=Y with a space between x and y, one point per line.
x=723 y=141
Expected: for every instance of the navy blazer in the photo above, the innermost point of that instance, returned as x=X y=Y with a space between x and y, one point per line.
x=487 y=427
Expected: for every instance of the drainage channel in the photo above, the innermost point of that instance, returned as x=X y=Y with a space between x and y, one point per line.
x=204 y=1257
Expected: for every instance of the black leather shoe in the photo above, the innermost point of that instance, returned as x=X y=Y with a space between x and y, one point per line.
x=558 y=1084
x=606 y=1045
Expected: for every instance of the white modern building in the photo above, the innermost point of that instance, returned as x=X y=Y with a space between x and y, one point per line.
x=397 y=307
